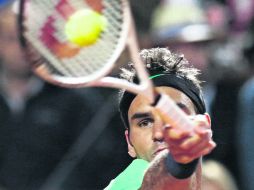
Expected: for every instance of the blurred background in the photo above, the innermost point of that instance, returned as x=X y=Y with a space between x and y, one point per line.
x=71 y=139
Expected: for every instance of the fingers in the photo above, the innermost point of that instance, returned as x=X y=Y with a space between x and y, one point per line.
x=183 y=155
x=175 y=133
x=188 y=157
x=186 y=146
x=197 y=140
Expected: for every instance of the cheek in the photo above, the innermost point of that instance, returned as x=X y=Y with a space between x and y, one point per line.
x=142 y=142
x=140 y=135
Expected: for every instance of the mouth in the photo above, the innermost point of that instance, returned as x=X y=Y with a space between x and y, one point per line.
x=159 y=150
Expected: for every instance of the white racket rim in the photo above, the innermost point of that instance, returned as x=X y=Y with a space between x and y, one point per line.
x=69 y=81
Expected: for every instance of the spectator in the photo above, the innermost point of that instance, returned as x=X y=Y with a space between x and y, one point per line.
x=40 y=122
x=216 y=177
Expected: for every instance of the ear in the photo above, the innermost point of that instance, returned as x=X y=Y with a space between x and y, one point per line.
x=208 y=118
x=131 y=150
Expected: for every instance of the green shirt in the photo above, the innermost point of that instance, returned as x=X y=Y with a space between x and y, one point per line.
x=131 y=178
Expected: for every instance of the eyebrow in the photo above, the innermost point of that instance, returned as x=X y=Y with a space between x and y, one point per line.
x=140 y=115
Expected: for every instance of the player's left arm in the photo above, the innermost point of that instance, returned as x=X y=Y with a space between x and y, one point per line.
x=159 y=176
x=181 y=168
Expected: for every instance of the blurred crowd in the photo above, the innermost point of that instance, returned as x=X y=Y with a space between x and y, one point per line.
x=218 y=38
x=73 y=139
x=53 y=137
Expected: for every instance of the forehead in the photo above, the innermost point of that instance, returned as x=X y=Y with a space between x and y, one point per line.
x=141 y=104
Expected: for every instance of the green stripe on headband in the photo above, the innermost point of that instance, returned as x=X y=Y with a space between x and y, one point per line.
x=154 y=76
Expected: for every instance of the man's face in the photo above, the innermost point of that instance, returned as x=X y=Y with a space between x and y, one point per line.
x=10 y=51
x=142 y=141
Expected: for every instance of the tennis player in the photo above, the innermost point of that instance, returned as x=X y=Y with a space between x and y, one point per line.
x=165 y=156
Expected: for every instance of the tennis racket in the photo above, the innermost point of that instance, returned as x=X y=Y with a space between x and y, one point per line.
x=56 y=60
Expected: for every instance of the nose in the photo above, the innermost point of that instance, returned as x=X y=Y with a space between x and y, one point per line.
x=158 y=136
x=157 y=133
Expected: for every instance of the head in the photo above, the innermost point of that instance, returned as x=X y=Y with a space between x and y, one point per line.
x=12 y=58
x=190 y=27
x=171 y=75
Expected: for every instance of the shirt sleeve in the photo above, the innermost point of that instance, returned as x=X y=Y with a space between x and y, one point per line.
x=131 y=178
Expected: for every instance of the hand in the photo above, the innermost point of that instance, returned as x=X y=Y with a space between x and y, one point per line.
x=185 y=146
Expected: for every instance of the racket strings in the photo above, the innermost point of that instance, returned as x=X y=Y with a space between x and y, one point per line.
x=39 y=27
x=45 y=28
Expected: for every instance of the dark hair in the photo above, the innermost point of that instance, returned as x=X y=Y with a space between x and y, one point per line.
x=174 y=71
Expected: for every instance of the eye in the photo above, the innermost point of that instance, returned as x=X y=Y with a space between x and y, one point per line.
x=147 y=122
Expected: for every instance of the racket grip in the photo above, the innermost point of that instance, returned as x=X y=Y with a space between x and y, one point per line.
x=172 y=114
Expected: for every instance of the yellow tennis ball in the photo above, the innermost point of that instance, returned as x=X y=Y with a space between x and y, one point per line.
x=84 y=27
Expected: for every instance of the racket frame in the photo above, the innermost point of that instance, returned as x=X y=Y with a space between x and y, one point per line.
x=128 y=34
x=165 y=105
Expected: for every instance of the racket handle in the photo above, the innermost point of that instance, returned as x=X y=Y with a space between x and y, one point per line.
x=172 y=114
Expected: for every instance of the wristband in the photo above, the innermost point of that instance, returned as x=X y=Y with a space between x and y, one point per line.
x=180 y=171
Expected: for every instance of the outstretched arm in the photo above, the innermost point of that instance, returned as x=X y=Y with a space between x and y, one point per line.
x=180 y=167
x=158 y=177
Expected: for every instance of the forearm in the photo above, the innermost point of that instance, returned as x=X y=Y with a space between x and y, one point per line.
x=158 y=177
